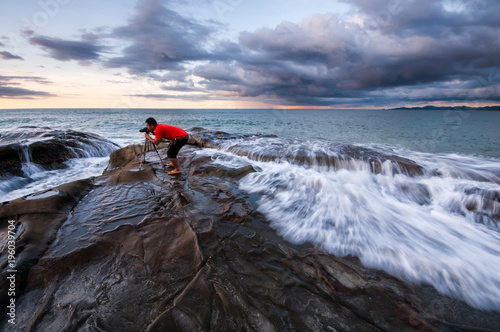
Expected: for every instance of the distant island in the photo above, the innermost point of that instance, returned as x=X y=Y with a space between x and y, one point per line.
x=452 y=108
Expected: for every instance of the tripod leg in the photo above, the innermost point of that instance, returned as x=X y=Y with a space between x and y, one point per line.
x=159 y=157
x=147 y=148
x=143 y=154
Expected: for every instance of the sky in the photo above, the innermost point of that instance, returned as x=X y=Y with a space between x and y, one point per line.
x=249 y=54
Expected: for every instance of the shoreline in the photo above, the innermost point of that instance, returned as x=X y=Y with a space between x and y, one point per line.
x=192 y=252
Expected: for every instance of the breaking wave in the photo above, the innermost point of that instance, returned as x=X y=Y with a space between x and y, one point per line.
x=39 y=158
x=425 y=218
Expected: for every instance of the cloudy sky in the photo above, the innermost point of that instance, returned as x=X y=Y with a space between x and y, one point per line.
x=249 y=54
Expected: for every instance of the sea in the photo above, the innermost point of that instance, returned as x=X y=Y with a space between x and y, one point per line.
x=439 y=228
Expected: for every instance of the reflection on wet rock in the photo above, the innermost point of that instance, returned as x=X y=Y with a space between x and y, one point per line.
x=139 y=250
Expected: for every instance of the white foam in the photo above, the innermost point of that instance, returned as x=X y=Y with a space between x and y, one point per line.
x=27 y=166
x=420 y=229
x=80 y=168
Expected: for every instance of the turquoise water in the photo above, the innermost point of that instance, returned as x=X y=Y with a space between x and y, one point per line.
x=462 y=132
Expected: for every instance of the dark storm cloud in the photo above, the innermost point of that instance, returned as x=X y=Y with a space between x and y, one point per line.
x=9 y=56
x=9 y=87
x=36 y=79
x=66 y=50
x=160 y=38
x=388 y=55
x=191 y=97
x=427 y=16
x=15 y=92
x=388 y=52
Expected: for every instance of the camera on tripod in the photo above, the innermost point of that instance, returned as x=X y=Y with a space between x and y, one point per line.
x=147 y=147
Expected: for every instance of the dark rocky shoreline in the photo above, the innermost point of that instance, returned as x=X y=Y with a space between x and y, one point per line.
x=143 y=251
x=48 y=148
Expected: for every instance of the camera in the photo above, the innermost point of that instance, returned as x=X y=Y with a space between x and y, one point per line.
x=145 y=130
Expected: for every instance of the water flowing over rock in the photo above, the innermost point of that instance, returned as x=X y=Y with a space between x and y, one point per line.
x=46 y=148
x=328 y=155
x=139 y=250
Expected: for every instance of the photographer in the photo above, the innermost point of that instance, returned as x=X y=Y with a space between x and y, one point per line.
x=176 y=135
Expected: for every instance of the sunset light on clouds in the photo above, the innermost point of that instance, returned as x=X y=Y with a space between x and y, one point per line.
x=242 y=54
x=236 y=165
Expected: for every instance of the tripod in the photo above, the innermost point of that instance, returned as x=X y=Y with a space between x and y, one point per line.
x=147 y=148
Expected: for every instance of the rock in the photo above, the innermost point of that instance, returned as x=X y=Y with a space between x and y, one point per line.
x=139 y=250
x=10 y=163
x=37 y=223
x=121 y=157
x=48 y=148
x=205 y=138
x=336 y=156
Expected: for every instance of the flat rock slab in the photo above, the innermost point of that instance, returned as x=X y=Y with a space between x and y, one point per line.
x=138 y=250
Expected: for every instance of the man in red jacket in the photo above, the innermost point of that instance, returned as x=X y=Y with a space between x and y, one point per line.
x=176 y=135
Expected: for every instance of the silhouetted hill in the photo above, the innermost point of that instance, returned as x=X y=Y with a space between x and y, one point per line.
x=453 y=108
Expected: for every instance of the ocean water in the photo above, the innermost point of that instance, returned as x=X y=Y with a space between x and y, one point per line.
x=462 y=132
x=439 y=227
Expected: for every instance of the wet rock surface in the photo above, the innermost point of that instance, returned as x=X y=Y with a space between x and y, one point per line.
x=139 y=250
x=47 y=148
x=329 y=155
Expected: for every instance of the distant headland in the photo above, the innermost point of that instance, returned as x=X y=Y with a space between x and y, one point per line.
x=452 y=108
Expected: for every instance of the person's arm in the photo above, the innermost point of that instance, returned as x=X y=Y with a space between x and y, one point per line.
x=155 y=141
